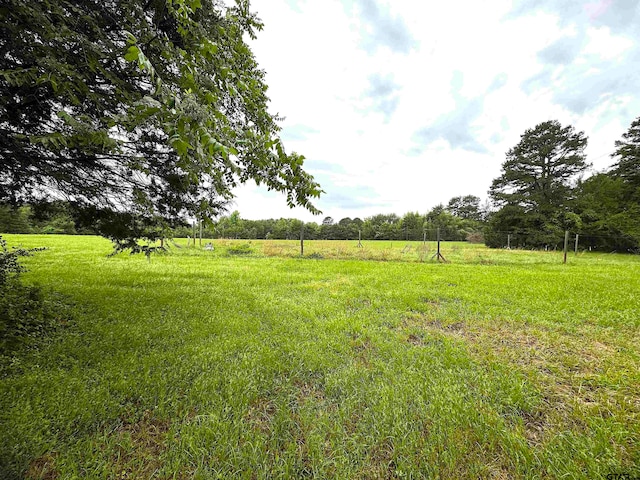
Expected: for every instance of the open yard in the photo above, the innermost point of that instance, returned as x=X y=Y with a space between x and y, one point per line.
x=374 y=362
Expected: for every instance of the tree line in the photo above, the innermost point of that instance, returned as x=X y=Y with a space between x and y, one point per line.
x=542 y=192
x=463 y=218
x=460 y=220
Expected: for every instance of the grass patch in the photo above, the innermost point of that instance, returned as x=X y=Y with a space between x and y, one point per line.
x=239 y=249
x=199 y=364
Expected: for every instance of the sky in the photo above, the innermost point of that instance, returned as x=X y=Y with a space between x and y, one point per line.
x=401 y=105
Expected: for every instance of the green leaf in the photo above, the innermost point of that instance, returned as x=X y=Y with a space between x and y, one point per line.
x=208 y=49
x=181 y=146
x=131 y=39
x=132 y=54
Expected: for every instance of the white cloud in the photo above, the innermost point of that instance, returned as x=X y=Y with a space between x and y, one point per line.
x=606 y=45
x=388 y=125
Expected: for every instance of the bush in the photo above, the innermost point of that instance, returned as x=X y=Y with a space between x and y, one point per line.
x=10 y=268
x=25 y=311
x=475 y=237
x=242 y=249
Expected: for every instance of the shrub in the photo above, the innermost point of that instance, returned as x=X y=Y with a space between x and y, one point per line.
x=241 y=249
x=475 y=237
x=25 y=311
x=10 y=268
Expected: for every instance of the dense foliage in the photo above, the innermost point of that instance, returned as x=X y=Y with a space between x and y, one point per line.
x=144 y=111
x=24 y=310
x=411 y=226
x=609 y=203
x=541 y=194
x=455 y=223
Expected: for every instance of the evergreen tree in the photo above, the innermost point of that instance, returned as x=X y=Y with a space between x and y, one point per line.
x=467 y=207
x=535 y=189
x=539 y=170
x=627 y=166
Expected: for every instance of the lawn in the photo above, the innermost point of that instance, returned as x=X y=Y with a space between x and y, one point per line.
x=373 y=362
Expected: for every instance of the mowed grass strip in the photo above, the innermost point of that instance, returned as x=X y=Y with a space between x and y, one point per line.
x=212 y=365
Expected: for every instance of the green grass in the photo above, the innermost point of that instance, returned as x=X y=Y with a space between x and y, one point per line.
x=500 y=364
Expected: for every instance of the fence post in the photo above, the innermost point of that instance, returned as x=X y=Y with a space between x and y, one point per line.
x=438 y=255
x=566 y=244
x=576 y=248
x=508 y=241
x=302 y=240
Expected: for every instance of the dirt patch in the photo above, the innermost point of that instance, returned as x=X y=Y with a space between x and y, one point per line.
x=357 y=305
x=528 y=347
x=499 y=473
x=381 y=463
x=308 y=392
x=599 y=347
x=363 y=349
x=457 y=327
x=43 y=468
x=567 y=368
x=416 y=320
x=148 y=440
x=430 y=301
x=535 y=426
x=260 y=413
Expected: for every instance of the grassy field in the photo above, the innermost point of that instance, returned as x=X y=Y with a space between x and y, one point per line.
x=248 y=362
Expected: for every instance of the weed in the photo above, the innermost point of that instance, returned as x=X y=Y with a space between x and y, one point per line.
x=240 y=249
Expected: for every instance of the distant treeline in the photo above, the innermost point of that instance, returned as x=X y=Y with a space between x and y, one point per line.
x=453 y=224
x=48 y=218
x=604 y=213
x=462 y=219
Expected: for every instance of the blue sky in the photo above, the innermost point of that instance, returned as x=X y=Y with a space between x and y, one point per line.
x=399 y=106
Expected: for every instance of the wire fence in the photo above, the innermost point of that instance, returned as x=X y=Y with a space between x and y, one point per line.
x=578 y=241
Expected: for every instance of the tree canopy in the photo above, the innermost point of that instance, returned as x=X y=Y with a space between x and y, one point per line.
x=536 y=185
x=627 y=166
x=538 y=171
x=609 y=203
x=467 y=207
x=152 y=108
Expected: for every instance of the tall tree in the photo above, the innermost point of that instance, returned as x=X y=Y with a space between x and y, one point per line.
x=412 y=225
x=609 y=203
x=152 y=108
x=382 y=227
x=627 y=166
x=538 y=172
x=467 y=207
